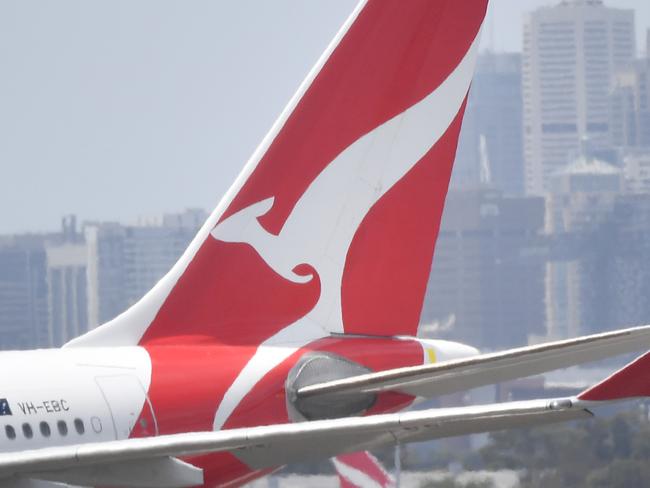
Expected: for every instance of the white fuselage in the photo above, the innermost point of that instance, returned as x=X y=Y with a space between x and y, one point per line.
x=70 y=396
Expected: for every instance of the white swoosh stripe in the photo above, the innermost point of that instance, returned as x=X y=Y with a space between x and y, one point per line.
x=323 y=223
x=354 y=476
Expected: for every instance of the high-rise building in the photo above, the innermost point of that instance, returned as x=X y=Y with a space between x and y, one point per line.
x=126 y=261
x=67 y=263
x=490 y=149
x=23 y=292
x=582 y=197
x=603 y=279
x=630 y=106
x=67 y=292
x=105 y=274
x=636 y=167
x=54 y=287
x=571 y=52
x=620 y=264
x=486 y=286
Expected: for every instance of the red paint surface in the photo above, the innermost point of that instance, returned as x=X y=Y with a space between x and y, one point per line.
x=394 y=55
x=383 y=290
x=228 y=300
x=229 y=295
x=191 y=381
x=367 y=464
x=632 y=381
x=266 y=402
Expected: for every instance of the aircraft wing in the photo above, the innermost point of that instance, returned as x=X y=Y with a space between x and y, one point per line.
x=154 y=461
x=164 y=461
x=463 y=374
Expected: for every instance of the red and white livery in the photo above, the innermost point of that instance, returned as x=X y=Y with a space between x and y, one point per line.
x=361 y=470
x=287 y=330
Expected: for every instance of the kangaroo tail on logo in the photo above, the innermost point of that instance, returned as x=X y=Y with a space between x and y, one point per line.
x=244 y=226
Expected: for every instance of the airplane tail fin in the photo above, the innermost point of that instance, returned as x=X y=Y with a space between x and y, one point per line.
x=332 y=223
x=631 y=381
x=361 y=469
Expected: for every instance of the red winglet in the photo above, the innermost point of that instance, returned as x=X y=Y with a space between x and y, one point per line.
x=632 y=381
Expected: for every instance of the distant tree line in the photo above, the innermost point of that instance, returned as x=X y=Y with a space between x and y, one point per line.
x=599 y=453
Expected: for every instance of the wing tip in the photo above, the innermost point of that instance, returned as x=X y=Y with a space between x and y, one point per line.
x=631 y=381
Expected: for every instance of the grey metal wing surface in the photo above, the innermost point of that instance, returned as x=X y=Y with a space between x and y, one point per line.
x=463 y=374
x=165 y=461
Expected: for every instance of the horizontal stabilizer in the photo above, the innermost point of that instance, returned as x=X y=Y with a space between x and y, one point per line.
x=462 y=374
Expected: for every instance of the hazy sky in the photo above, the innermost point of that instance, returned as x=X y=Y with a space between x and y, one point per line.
x=118 y=109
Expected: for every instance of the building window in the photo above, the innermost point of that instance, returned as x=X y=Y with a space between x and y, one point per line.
x=559 y=128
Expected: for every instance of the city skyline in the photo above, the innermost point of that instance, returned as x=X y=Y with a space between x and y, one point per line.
x=437 y=240
x=133 y=121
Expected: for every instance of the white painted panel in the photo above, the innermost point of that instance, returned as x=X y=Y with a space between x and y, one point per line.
x=125 y=397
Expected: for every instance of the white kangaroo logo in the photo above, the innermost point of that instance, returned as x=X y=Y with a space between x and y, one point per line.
x=323 y=222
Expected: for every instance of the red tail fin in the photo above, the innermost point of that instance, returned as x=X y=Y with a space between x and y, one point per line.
x=632 y=381
x=359 y=469
x=331 y=225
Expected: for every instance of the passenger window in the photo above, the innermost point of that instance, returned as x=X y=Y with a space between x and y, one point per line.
x=10 y=432
x=27 y=431
x=96 y=424
x=79 y=426
x=63 y=427
x=45 y=429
